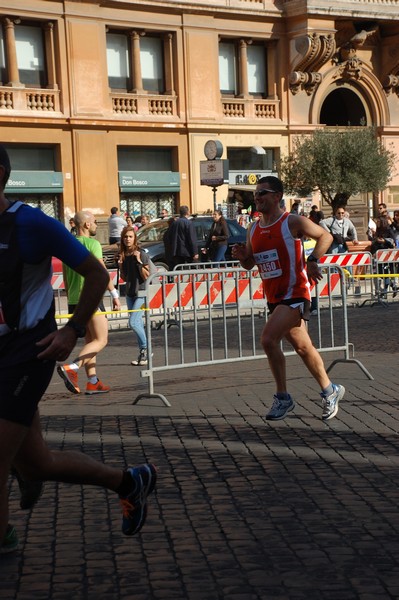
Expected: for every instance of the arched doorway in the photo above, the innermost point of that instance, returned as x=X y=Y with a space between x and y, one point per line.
x=343 y=107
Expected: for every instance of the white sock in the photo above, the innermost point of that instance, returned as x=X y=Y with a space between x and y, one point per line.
x=73 y=366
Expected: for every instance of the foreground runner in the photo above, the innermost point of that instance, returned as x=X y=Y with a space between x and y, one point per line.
x=274 y=244
x=29 y=346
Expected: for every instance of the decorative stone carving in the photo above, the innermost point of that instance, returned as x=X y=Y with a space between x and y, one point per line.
x=350 y=66
x=391 y=83
x=350 y=69
x=316 y=50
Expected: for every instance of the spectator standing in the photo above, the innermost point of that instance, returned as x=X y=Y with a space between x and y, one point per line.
x=73 y=229
x=167 y=242
x=296 y=208
x=395 y=237
x=316 y=215
x=134 y=270
x=383 y=212
x=183 y=240
x=145 y=220
x=342 y=229
x=384 y=240
x=115 y=225
x=164 y=213
x=30 y=343
x=129 y=221
x=137 y=223
x=216 y=243
x=274 y=244
x=395 y=227
x=96 y=336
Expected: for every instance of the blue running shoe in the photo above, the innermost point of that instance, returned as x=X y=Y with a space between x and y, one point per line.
x=330 y=403
x=280 y=408
x=134 y=506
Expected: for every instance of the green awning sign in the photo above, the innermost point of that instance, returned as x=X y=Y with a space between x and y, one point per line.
x=149 y=181
x=35 y=182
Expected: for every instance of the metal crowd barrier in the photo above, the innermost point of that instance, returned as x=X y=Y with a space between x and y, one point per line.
x=220 y=315
x=362 y=275
x=358 y=269
x=386 y=274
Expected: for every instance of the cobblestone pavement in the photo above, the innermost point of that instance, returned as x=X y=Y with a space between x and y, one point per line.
x=245 y=509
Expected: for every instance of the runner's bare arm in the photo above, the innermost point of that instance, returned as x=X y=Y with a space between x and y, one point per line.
x=59 y=344
x=304 y=227
x=243 y=252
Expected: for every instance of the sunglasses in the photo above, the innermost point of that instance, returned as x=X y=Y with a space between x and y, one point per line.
x=264 y=192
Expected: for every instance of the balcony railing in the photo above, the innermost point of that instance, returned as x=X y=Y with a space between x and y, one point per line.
x=250 y=109
x=31 y=100
x=144 y=105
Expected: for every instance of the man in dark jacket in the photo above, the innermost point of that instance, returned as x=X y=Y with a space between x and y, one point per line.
x=182 y=239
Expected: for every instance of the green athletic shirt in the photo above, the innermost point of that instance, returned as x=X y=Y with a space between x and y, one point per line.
x=74 y=280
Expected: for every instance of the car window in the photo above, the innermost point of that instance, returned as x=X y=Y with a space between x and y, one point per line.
x=153 y=232
x=199 y=232
x=202 y=228
x=234 y=229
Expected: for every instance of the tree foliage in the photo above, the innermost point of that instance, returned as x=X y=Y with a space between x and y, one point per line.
x=338 y=164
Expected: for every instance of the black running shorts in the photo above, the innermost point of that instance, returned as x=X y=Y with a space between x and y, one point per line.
x=21 y=389
x=302 y=303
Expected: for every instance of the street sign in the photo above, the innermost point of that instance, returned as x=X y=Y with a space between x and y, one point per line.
x=214 y=172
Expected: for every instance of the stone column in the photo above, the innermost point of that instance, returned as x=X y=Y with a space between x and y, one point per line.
x=271 y=71
x=243 y=70
x=168 y=54
x=11 y=54
x=137 y=80
x=50 y=56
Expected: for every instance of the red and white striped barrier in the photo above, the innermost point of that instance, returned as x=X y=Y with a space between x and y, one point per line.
x=349 y=259
x=330 y=283
x=202 y=294
x=387 y=256
x=57 y=281
x=327 y=285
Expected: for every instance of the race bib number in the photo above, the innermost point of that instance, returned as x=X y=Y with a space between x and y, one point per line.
x=268 y=264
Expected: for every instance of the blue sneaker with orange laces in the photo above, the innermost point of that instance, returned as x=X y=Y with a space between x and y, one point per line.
x=134 y=506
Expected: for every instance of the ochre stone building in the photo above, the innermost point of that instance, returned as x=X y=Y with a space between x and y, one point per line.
x=111 y=102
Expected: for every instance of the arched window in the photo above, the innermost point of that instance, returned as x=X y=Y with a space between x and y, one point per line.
x=342 y=107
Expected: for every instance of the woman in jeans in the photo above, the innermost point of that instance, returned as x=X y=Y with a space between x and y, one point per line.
x=134 y=270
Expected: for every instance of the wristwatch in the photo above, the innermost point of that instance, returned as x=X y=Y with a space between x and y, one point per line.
x=312 y=258
x=78 y=329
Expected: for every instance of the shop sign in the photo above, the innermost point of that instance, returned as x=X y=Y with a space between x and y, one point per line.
x=248 y=177
x=34 y=182
x=149 y=181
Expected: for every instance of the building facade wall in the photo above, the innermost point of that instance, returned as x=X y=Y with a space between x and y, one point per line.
x=310 y=52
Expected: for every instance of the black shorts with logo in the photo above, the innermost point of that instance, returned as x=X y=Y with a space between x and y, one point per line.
x=21 y=389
